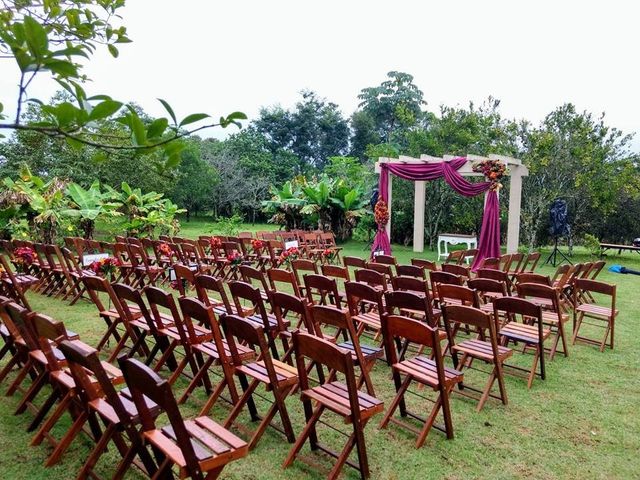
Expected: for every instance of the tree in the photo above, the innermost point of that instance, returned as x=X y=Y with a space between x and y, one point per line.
x=52 y=37
x=392 y=107
x=197 y=181
x=314 y=131
x=577 y=157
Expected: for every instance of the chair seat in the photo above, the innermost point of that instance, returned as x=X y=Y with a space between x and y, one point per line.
x=481 y=349
x=543 y=302
x=597 y=310
x=335 y=397
x=213 y=445
x=551 y=317
x=202 y=334
x=523 y=332
x=370 y=319
x=273 y=321
x=210 y=349
x=368 y=352
x=286 y=374
x=423 y=369
x=105 y=410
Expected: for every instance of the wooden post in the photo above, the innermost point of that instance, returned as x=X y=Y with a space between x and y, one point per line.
x=515 y=200
x=418 y=217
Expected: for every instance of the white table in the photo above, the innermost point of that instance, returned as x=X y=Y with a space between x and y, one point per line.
x=445 y=239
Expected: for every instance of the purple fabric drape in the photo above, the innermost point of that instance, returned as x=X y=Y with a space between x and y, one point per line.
x=489 y=241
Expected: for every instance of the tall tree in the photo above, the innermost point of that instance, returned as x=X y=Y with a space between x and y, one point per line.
x=314 y=131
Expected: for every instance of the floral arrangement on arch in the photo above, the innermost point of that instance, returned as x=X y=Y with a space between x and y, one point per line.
x=23 y=258
x=105 y=267
x=288 y=256
x=381 y=213
x=493 y=170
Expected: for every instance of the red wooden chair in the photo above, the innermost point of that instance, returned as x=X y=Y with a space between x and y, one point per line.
x=424 y=264
x=488 y=290
x=455 y=257
x=530 y=331
x=552 y=313
x=354 y=262
x=364 y=356
x=485 y=348
x=460 y=270
x=491 y=262
x=95 y=389
x=412 y=299
x=431 y=373
x=278 y=277
x=303 y=265
x=339 y=273
x=15 y=285
x=385 y=260
x=342 y=398
x=384 y=269
x=253 y=276
x=207 y=285
x=605 y=315
x=365 y=306
x=278 y=377
x=199 y=448
x=209 y=351
x=529 y=264
x=411 y=271
x=325 y=290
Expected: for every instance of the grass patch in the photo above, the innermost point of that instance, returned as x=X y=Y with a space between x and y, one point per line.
x=581 y=422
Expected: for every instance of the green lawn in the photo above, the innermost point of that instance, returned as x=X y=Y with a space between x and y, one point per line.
x=582 y=422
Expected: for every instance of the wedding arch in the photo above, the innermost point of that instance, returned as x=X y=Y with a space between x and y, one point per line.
x=453 y=170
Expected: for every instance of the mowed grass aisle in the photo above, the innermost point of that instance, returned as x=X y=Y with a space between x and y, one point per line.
x=582 y=422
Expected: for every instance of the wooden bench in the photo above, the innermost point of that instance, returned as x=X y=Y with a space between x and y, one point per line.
x=612 y=246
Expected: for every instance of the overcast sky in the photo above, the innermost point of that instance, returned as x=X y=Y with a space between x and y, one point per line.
x=223 y=56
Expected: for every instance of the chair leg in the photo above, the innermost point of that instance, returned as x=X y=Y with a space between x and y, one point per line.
x=344 y=455
x=532 y=372
x=396 y=401
x=429 y=423
x=62 y=446
x=309 y=431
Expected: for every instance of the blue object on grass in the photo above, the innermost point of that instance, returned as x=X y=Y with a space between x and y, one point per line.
x=616 y=268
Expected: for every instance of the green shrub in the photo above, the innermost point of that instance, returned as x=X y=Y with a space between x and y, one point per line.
x=592 y=244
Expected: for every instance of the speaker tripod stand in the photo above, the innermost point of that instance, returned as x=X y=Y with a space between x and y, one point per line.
x=553 y=256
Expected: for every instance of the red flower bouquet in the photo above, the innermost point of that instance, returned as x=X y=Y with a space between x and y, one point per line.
x=493 y=170
x=105 y=267
x=23 y=258
x=288 y=256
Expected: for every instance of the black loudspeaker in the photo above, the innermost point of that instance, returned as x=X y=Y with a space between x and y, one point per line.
x=559 y=227
x=558 y=213
x=374 y=199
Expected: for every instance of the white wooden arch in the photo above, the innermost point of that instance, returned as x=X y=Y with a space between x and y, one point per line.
x=516 y=170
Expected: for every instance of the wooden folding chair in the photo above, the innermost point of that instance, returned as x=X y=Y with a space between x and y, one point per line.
x=15 y=285
x=364 y=356
x=437 y=277
x=488 y=290
x=498 y=275
x=208 y=351
x=600 y=313
x=530 y=331
x=430 y=372
x=552 y=313
x=325 y=290
x=460 y=270
x=455 y=257
x=410 y=271
x=144 y=272
x=533 y=278
x=257 y=313
x=385 y=260
x=339 y=273
x=277 y=377
x=354 y=262
x=382 y=268
x=303 y=265
x=254 y=276
x=199 y=448
x=491 y=262
x=278 y=277
x=424 y=264
x=342 y=398
x=207 y=285
x=485 y=348
x=412 y=299
x=116 y=410
x=530 y=263
x=366 y=305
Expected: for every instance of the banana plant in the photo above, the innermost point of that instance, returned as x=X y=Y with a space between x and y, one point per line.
x=88 y=205
x=286 y=204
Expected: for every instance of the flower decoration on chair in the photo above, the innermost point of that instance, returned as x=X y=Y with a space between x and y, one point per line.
x=165 y=249
x=493 y=170
x=328 y=255
x=381 y=214
x=235 y=259
x=257 y=245
x=23 y=258
x=215 y=243
x=105 y=267
x=288 y=256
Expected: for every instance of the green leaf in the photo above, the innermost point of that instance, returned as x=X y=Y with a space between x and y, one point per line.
x=168 y=108
x=104 y=109
x=173 y=161
x=194 y=117
x=65 y=113
x=61 y=67
x=75 y=144
x=157 y=127
x=36 y=37
x=113 y=50
x=137 y=127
